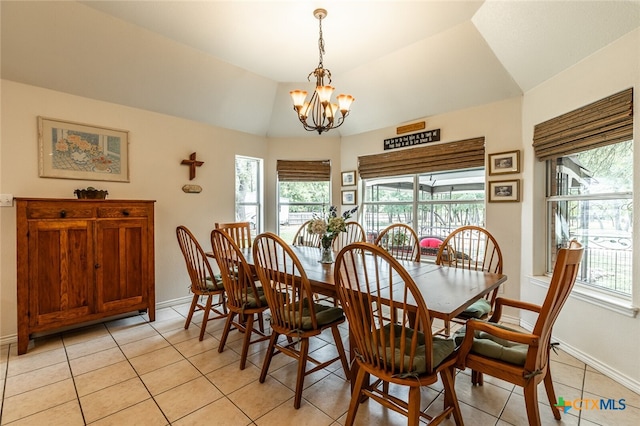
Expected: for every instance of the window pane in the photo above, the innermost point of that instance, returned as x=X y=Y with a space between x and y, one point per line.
x=248 y=191
x=298 y=201
x=443 y=201
x=591 y=201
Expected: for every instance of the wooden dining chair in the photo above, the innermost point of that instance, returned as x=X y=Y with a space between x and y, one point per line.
x=401 y=241
x=395 y=346
x=240 y=232
x=517 y=357
x=305 y=238
x=203 y=282
x=471 y=247
x=293 y=311
x=354 y=233
x=245 y=300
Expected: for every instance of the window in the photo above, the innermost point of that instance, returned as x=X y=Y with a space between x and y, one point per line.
x=589 y=157
x=249 y=192
x=304 y=189
x=590 y=199
x=444 y=190
x=441 y=202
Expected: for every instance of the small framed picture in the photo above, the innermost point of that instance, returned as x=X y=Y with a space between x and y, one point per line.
x=349 y=197
x=503 y=163
x=349 y=178
x=504 y=191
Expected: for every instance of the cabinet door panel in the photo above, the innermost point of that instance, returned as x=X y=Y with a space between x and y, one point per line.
x=121 y=253
x=61 y=269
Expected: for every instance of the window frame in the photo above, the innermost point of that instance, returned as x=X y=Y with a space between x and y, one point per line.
x=258 y=222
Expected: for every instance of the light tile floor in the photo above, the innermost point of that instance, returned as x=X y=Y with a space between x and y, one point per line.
x=131 y=371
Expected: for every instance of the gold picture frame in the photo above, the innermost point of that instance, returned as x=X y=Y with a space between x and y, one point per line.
x=504 y=191
x=349 y=178
x=349 y=197
x=502 y=163
x=68 y=150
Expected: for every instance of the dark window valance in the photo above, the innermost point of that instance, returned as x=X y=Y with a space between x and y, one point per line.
x=303 y=171
x=605 y=122
x=463 y=154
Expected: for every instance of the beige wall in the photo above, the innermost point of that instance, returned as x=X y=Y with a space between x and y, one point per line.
x=607 y=340
x=157 y=145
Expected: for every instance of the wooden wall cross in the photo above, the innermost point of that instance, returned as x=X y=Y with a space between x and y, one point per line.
x=192 y=163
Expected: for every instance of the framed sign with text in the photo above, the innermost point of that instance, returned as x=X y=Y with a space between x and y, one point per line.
x=412 y=139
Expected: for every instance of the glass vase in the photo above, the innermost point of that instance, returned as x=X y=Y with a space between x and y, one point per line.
x=327 y=255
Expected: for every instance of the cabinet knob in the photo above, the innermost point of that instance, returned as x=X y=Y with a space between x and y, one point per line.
x=96 y=266
x=63 y=213
x=125 y=212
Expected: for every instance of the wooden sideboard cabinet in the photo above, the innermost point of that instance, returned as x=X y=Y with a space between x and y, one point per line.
x=82 y=260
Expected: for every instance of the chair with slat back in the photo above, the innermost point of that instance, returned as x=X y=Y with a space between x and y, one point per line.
x=293 y=312
x=474 y=248
x=391 y=335
x=519 y=357
x=244 y=299
x=240 y=232
x=354 y=233
x=401 y=241
x=203 y=282
x=305 y=238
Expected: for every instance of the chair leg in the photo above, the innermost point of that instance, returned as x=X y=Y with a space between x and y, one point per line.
x=476 y=378
x=268 y=356
x=341 y=353
x=248 y=329
x=192 y=309
x=225 y=332
x=302 y=366
x=448 y=377
x=355 y=397
x=205 y=317
x=551 y=394
x=261 y=322
x=531 y=403
x=413 y=411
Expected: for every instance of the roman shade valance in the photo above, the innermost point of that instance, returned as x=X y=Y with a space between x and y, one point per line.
x=303 y=171
x=605 y=122
x=463 y=154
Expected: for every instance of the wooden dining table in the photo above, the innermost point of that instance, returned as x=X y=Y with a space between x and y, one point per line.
x=447 y=291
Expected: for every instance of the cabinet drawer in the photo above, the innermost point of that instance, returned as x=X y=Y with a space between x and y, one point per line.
x=123 y=211
x=59 y=212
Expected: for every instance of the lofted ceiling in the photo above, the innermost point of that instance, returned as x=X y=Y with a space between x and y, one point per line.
x=232 y=63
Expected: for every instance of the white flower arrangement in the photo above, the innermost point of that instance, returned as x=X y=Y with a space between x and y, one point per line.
x=331 y=225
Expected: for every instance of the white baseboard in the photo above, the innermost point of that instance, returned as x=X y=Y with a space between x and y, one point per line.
x=13 y=338
x=594 y=363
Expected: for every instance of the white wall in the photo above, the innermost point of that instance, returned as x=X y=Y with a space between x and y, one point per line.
x=605 y=339
x=499 y=123
x=158 y=143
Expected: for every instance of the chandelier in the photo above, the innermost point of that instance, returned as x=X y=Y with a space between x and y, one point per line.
x=320 y=114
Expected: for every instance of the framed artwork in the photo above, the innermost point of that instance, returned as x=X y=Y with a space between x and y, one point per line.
x=504 y=191
x=349 y=197
x=349 y=178
x=504 y=163
x=68 y=150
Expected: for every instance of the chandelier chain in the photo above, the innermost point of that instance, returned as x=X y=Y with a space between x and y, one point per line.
x=320 y=44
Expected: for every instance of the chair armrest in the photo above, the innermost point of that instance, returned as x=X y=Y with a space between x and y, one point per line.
x=474 y=325
x=501 y=301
